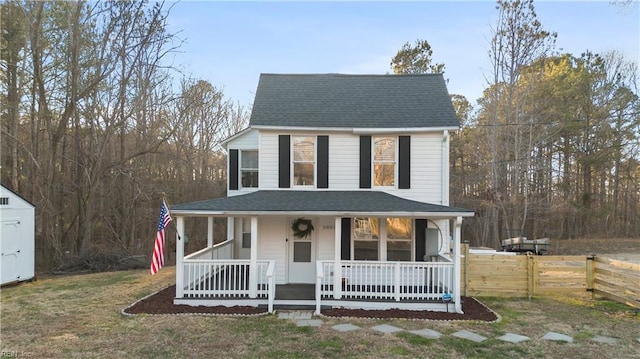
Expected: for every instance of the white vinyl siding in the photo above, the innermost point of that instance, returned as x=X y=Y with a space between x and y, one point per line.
x=344 y=162
x=268 y=171
x=246 y=141
x=426 y=169
x=272 y=244
x=326 y=238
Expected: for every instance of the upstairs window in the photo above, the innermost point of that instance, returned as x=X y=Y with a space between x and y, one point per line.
x=384 y=161
x=304 y=161
x=249 y=169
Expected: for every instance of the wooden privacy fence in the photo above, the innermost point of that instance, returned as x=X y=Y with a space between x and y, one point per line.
x=528 y=275
x=615 y=280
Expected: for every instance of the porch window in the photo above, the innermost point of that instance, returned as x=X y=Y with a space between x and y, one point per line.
x=399 y=232
x=246 y=233
x=366 y=237
x=249 y=169
x=384 y=161
x=304 y=149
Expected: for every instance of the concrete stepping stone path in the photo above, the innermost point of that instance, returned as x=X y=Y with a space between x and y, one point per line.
x=345 y=327
x=309 y=323
x=386 y=328
x=602 y=339
x=513 y=338
x=465 y=334
x=304 y=319
x=427 y=333
x=557 y=337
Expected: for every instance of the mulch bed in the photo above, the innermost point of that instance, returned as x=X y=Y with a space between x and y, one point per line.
x=162 y=303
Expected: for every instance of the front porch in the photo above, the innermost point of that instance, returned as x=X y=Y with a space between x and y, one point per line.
x=369 y=250
x=210 y=277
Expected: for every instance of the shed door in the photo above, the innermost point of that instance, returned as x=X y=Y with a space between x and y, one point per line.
x=302 y=256
x=10 y=250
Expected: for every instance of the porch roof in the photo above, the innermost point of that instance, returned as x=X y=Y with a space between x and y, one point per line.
x=318 y=203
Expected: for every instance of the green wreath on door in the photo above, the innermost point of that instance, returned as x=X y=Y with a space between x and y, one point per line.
x=302 y=228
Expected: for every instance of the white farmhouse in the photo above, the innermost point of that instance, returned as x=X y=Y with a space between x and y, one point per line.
x=338 y=196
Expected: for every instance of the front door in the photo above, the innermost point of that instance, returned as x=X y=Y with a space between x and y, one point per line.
x=302 y=253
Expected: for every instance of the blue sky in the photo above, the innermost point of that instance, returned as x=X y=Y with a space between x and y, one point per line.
x=230 y=43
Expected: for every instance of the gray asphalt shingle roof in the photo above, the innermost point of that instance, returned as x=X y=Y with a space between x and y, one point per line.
x=353 y=101
x=348 y=202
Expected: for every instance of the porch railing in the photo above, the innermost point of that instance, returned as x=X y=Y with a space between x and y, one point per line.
x=397 y=281
x=226 y=278
x=223 y=250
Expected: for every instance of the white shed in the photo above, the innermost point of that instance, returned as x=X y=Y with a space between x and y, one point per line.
x=17 y=237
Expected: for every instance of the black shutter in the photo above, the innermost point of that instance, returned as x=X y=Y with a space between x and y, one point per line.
x=404 y=162
x=323 y=161
x=284 y=161
x=233 y=169
x=421 y=236
x=365 y=161
x=345 y=248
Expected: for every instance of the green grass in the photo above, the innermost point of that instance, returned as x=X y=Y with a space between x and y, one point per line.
x=415 y=339
x=79 y=316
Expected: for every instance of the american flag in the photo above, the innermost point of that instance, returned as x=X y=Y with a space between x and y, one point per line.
x=158 y=250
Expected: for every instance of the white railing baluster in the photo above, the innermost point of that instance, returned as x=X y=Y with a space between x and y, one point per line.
x=389 y=280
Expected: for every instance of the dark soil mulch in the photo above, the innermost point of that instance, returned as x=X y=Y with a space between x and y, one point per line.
x=473 y=310
x=162 y=303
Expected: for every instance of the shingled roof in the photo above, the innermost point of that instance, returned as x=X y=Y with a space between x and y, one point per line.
x=343 y=203
x=353 y=101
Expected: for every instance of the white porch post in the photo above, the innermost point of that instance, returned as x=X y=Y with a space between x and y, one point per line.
x=456 y=264
x=231 y=230
x=179 y=256
x=210 y=232
x=337 y=260
x=382 y=233
x=253 y=266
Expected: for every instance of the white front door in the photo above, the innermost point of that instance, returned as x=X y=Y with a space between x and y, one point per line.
x=302 y=255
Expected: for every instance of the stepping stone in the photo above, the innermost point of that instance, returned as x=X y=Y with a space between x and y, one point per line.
x=557 y=337
x=345 y=327
x=605 y=340
x=465 y=334
x=386 y=328
x=294 y=315
x=427 y=333
x=513 y=338
x=309 y=323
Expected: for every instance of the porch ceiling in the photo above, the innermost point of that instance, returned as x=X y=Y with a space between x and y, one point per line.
x=318 y=203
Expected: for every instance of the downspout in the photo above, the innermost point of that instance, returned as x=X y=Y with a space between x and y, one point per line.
x=444 y=169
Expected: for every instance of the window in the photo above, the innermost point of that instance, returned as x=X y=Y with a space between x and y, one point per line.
x=366 y=236
x=384 y=161
x=399 y=232
x=246 y=233
x=4 y=201
x=249 y=169
x=304 y=160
